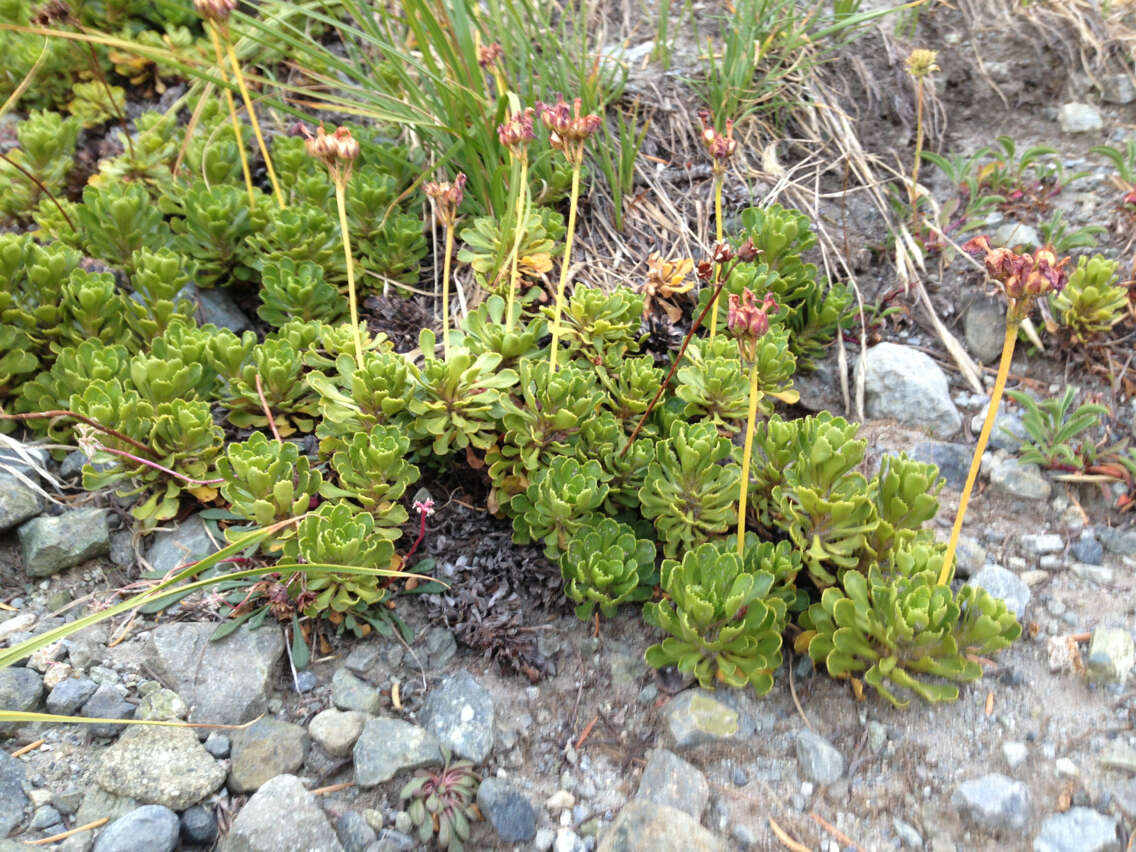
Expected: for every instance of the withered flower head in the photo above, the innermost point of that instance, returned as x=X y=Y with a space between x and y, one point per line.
x=747 y=252
x=921 y=62
x=747 y=320
x=666 y=278
x=705 y=270
x=320 y=146
x=1022 y=276
x=448 y=197
x=217 y=11
x=722 y=252
x=338 y=151
x=568 y=129
x=50 y=12
x=720 y=146
x=488 y=54
x=516 y=131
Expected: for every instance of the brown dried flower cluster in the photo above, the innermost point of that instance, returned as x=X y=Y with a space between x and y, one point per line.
x=720 y=146
x=665 y=280
x=338 y=151
x=568 y=128
x=489 y=54
x=448 y=197
x=1024 y=276
x=217 y=11
x=516 y=132
x=747 y=320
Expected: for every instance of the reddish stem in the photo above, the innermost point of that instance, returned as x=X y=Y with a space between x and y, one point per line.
x=43 y=415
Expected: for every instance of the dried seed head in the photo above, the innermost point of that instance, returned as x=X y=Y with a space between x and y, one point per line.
x=921 y=63
x=448 y=196
x=720 y=146
x=516 y=132
x=705 y=270
x=747 y=251
x=722 y=252
x=748 y=321
x=217 y=11
x=338 y=151
x=1024 y=276
x=489 y=54
x=667 y=278
x=568 y=129
x=348 y=147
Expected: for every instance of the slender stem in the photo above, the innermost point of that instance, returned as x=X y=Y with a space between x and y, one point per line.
x=918 y=155
x=162 y=468
x=747 y=455
x=718 y=180
x=446 y=292
x=41 y=186
x=267 y=410
x=233 y=114
x=976 y=463
x=670 y=374
x=522 y=214
x=572 y=204
x=62 y=412
x=340 y=181
x=252 y=118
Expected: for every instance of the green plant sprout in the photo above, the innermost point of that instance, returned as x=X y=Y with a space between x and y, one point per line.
x=1023 y=279
x=447 y=197
x=721 y=148
x=1054 y=424
x=568 y=132
x=339 y=152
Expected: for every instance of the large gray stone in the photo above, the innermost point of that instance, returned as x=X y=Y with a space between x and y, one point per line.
x=160 y=766
x=643 y=825
x=69 y=695
x=1111 y=655
x=187 y=543
x=1079 y=118
x=953 y=460
x=390 y=746
x=669 y=780
x=150 y=828
x=351 y=693
x=51 y=544
x=18 y=503
x=1017 y=479
x=460 y=714
x=281 y=816
x=905 y=385
x=1078 y=830
x=1118 y=541
x=335 y=731
x=98 y=803
x=20 y=690
x=982 y=326
x=695 y=716
x=107 y=702
x=262 y=751
x=820 y=761
x=994 y=802
x=225 y=682
x=216 y=306
x=12 y=798
x=1003 y=584
x=508 y=810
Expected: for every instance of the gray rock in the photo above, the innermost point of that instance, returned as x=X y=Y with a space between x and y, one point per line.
x=982 y=326
x=953 y=460
x=1087 y=549
x=13 y=801
x=108 y=702
x=1125 y=798
x=695 y=716
x=44 y=818
x=544 y=840
x=643 y=825
x=908 y=833
x=188 y=543
x=1015 y=754
x=820 y=388
x=267 y=748
x=150 y=828
x=390 y=746
x=281 y=816
x=508 y=810
x=161 y=705
x=1117 y=89
x=1015 y=479
x=669 y=780
x=225 y=682
x=460 y=713
x=20 y=690
x=1111 y=655
x=51 y=544
x=16 y=623
x=353 y=832
x=350 y=693
x=69 y=695
x=440 y=647
x=1008 y=433
x=1078 y=830
x=877 y=736
x=1005 y=585
x=122 y=548
x=970 y=556
x=391 y=840
x=199 y=826
x=73 y=464
x=18 y=503
x=335 y=731
x=994 y=802
x=218 y=744
x=1120 y=542
x=1102 y=575
x=1039 y=544
x=905 y=385
x=1119 y=756
x=1011 y=235
x=1079 y=118
x=12 y=462
x=98 y=803
x=163 y=766
x=820 y=762
x=216 y=306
